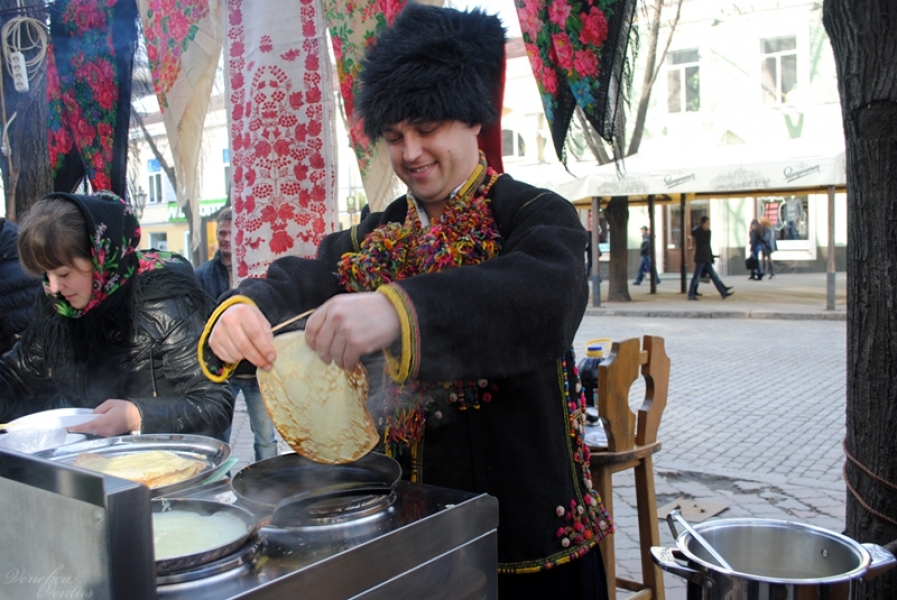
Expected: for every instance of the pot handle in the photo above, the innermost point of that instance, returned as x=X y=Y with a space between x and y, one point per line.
x=882 y=561
x=666 y=559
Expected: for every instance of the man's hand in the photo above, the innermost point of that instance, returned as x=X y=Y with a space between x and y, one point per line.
x=243 y=332
x=117 y=417
x=350 y=325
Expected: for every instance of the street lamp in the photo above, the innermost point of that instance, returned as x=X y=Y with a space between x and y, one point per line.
x=140 y=201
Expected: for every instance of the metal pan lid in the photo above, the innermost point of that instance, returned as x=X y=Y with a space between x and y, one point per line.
x=262 y=485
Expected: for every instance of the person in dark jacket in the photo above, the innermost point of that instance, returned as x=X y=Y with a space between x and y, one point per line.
x=473 y=286
x=769 y=235
x=116 y=329
x=704 y=261
x=758 y=245
x=215 y=275
x=215 y=278
x=644 y=264
x=18 y=290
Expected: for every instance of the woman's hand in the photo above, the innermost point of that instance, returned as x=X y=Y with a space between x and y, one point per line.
x=116 y=417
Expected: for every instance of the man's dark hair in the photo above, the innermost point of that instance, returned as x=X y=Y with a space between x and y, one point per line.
x=704 y=219
x=432 y=64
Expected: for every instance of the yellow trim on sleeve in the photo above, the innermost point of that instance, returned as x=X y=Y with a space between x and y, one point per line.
x=399 y=368
x=229 y=368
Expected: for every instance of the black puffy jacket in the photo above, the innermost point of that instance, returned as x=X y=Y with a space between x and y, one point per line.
x=18 y=290
x=156 y=367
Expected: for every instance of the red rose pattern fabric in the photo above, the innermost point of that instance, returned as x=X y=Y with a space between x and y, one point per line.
x=89 y=90
x=183 y=46
x=281 y=118
x=353 y=26
x=577 y=50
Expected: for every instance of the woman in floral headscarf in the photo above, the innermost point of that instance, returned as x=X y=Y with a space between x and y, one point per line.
x=116 y=330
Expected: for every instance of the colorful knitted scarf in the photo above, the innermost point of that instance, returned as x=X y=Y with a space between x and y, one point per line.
x=114 y=236
x=466 y=234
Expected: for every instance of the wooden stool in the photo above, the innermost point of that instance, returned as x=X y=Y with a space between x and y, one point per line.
x=630 y=445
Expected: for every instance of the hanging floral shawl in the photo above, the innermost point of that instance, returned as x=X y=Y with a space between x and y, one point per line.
x=353 y=26
x=466 y=234
x=183 y=45
x=114 y=236
x=577 y=51
x=89 y=92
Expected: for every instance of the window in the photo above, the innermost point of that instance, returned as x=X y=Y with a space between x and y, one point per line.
x=155 y=181
x=158 y=241
x=790 y=220
x=778 y=68
x=512 y=143
x=683 y=81
x=155 y=189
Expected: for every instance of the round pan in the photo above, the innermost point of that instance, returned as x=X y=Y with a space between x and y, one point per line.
x=262 y=485
x=204 y=508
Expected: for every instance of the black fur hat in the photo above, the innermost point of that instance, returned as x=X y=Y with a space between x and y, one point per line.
x=432 y=64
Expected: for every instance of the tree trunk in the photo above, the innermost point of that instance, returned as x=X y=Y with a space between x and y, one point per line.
x=26 y=163
x=652 y=67
x=862 y=35
x=617 y=214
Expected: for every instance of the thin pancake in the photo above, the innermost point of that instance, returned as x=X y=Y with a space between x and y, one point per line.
x=153 y=468
x=320 y=410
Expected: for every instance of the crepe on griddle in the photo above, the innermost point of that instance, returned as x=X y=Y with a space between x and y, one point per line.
x=153 y=468
x=319 y=409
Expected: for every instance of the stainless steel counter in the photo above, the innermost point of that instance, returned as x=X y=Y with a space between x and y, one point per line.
x=430 y=543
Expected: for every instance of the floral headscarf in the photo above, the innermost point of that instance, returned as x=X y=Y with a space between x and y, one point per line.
x=114 y=236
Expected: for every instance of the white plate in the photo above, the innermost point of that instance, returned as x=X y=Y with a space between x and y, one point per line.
x=59 y=417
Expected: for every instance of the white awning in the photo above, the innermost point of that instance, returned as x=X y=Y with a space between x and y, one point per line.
x=719 y=171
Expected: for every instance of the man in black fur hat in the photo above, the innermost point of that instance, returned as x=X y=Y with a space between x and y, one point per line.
x=473 y=287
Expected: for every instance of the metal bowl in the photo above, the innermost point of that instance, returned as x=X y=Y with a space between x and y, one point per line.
x=205 y=508
x=197 y=447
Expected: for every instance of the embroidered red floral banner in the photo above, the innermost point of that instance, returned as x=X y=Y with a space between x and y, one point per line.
x=89 y=92
x=183 y=45
x=281 y=118
x=578 y=54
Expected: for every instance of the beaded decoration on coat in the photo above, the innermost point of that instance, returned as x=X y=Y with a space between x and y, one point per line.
x=585 y=520
x=465 y=234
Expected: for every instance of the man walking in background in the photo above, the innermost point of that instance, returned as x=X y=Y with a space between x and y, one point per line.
x=644 y=265
x=215 y=278
x=704 y=261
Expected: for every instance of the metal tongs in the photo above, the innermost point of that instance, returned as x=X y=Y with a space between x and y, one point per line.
x=675 y=515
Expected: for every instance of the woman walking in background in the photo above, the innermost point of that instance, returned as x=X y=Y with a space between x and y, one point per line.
x=769 y=237
x=757 y=243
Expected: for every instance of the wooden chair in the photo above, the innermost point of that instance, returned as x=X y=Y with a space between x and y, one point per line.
x=631 y=442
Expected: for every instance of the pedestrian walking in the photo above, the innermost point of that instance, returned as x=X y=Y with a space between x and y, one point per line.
x=769 y=236
x=704 y=261
x=757 y=246
x=644 y=265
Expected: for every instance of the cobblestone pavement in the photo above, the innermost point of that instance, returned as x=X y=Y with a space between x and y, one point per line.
x=755 y=419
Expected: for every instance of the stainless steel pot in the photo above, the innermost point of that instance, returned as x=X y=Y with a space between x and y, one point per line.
x=771 y=559
x=205 y=508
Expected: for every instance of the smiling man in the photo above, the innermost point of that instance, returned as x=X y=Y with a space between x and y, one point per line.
x=473 y=287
